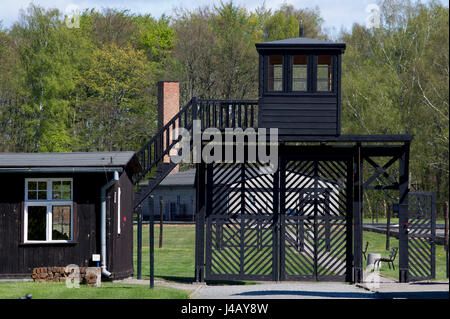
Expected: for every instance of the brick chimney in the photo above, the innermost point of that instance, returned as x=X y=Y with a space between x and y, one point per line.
x=168 y=107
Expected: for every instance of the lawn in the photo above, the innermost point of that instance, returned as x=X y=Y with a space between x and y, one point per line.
x=394 y=220
x=175 y=260
x=39 y=290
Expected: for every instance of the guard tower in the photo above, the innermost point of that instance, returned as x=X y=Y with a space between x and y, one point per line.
x=303 y=219
x=300 y=86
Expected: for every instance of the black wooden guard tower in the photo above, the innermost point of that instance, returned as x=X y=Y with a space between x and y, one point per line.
x=303 y=220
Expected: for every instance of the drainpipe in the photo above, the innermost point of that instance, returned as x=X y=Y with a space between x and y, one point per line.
x=103 y=222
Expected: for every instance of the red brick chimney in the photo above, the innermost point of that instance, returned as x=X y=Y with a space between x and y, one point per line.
x=168 y=107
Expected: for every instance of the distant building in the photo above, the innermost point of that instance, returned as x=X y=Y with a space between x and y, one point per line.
x=177 y=192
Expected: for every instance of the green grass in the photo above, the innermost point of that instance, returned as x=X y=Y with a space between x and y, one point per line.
x=175 y=260
x=377 y=244
x=13 y=290
x=383 y=220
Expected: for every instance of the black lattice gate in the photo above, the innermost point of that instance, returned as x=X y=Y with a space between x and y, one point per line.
x=421 y=235
x=249 y=236
x=315 y=232
x=242 y=212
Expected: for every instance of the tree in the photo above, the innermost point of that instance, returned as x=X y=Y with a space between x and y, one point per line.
x=395 y=81
x=284 y=23
x=116 y=112
x=46 y=53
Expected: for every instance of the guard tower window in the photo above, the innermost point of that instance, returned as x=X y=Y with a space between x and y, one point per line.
x=300 y=73
x=324 y=73
x=275 y=73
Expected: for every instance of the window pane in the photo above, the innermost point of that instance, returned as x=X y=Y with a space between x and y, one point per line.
x=275 y=73
x=299 y=73
x=56 y=186
x=41 y=192
x=66 y=195
x=37 y=222
x=32 y=185
x=61 y=225
x=32 y=190
x=67 y=185
x=42 y=195
x=56 y=189
x=324 y=73
x=32 y=195
x=61 y=190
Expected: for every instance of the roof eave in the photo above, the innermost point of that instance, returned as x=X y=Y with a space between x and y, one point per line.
x=79 y=169
x=323 y=47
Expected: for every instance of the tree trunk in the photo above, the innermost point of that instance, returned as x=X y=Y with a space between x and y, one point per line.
x=388 y=226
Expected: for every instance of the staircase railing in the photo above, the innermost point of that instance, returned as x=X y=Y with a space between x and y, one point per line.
x=220 y=114
x=223 y=114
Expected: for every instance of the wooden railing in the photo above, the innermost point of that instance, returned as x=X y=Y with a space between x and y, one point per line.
x=212 y=113
x=228 y=113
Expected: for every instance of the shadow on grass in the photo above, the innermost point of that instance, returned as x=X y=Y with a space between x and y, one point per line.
x=229 y=282
x=180 y=279
x=190 y=280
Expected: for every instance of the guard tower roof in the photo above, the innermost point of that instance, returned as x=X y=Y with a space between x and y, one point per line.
x=307 y=43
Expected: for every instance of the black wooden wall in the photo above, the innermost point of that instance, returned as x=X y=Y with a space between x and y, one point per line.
x=18 y=259
x=300 y=115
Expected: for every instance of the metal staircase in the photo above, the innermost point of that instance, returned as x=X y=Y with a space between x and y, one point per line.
x=211 y=113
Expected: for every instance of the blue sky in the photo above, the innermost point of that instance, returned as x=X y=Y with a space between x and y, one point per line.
x=336 y=14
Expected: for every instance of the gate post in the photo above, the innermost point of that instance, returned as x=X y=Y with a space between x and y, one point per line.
x=200 y=224
x=403 y=213
x=357 y=216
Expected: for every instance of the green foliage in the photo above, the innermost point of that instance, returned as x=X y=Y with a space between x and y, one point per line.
x=115 y=99
x=94 y=87
x=395 y=81
x=284 y=23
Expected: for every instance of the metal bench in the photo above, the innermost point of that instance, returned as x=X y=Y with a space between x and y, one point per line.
x=365 y=250
x=389 y=260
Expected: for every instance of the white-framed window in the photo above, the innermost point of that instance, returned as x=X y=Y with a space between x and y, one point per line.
x=48 y=215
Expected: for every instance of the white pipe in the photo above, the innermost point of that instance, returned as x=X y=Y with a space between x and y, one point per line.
x=103 y=222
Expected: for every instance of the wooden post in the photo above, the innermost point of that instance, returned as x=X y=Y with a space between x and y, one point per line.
x=446 y=231
x=152 y=245
x=376 y=212
x=139 y=243
x=373 y=212
x=161 y=220
x=357 y=215
x=388 y=226
x=403 y=193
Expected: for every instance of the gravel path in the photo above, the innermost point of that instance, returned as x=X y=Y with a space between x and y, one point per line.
x=387 y=289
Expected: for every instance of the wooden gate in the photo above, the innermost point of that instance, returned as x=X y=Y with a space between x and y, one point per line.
x=421 y=235
x=241 y=237
x=291 y=224
x=316 y=205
